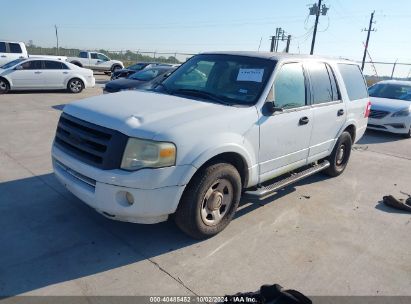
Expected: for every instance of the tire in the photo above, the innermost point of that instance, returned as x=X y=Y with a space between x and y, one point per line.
x=4 y=86
x=407 y=135
x=115 y=68
x=209 y=201
x=340 y=156
x=75 y=86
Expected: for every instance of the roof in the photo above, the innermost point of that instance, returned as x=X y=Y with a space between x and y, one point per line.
x=400 y=82
x=275 y=56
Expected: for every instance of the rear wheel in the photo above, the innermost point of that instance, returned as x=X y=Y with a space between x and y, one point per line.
x=340 y=155
x=4 y=86
x=75 y=85
x=115 y=68
x=210 y=200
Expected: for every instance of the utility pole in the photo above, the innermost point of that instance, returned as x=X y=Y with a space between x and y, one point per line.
x=281 y=34
x=316 y=9
x=274 y=40
x=287 y=48
x=368 y=39
x=57 y=38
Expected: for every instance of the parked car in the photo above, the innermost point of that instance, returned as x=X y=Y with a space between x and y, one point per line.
x=391 y=107
x=221 y=126
x=40 y=74
x=124 y=73
x=96 y=62
x=145 y=79
x=10 y=51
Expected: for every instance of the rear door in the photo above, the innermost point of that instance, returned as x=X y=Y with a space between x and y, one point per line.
x=356 y=96
x=29 y=76
x=329 y=111
x=54 y=74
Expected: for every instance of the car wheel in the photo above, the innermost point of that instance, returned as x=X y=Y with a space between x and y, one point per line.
x=115 y=68
x=75 y=85
x=340 y=155
x=209 y=201
x=407 y=135
x=4 y=86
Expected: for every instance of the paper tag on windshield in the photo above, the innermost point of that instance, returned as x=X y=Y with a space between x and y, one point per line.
x=255 y=75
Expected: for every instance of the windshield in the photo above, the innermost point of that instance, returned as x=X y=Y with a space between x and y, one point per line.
x=391 y=91
x=224 y=79
x=137 y=66
x=147 y=74
x=12 y=63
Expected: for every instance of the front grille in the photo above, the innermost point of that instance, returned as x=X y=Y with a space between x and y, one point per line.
x=376 y=114
x=95 y=145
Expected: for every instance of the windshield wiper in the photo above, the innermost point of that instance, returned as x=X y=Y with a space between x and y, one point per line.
x=160 y=84
x=205 y=94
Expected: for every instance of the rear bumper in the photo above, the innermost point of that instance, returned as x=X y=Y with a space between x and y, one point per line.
x=91 y=82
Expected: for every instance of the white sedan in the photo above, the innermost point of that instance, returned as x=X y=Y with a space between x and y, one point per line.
x=391 y=107
x=44 y=74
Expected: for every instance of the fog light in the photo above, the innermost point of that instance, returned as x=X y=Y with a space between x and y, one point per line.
x=129 y=198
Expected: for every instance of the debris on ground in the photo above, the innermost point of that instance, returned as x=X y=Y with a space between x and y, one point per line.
x=400 y=204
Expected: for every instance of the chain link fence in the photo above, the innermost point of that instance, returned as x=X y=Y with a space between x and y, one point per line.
x=377 y=70
x=127 y=56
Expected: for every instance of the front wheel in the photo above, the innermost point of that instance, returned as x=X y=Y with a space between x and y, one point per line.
x=407 y=135
x=4 y=86
x=75 y=85
x=210 y=200
x=340 y=155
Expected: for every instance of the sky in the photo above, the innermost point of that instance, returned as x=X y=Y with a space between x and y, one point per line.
x=192 y=26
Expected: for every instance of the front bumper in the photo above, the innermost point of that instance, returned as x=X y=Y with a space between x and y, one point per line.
x=156 y=192
x=398 y=125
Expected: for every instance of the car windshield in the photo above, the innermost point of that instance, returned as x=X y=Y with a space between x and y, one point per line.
x=226 y=79
x=147 y=74
x=391 y=91
x=137 y=66
x=12 y=63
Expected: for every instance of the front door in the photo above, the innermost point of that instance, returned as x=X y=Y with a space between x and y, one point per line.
x=285 y=135
x=28 y=75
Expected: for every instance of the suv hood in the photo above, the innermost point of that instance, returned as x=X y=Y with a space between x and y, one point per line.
x=390 y=105
x=146 y=114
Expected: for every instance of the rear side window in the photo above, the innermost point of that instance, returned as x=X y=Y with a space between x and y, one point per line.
x=83 y=55
x=93 y=56
x=52 y=65
x=354 y=81
x=2 y=47
x=323 y=84
x=15 y=48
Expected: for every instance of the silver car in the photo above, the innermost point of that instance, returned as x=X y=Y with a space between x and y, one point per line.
x=391 y=107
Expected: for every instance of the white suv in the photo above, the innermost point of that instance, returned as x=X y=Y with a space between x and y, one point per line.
x=221 y=126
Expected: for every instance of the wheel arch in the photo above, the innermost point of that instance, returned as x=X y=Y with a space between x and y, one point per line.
x=7 y=80
x=351 y=129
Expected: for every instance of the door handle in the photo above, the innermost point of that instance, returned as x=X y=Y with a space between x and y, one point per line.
x=3 y=56
x=303 y=120
x=340 y=112
x=65 y=72
x=37 y=72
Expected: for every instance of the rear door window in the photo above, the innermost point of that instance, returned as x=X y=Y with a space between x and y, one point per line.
x=323 y=84
x=93 y=55
x=52 y=65
x=15 y=48
x=2 y=47
x=354 y=81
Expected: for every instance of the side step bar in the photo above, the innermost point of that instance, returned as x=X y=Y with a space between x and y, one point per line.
x=269 y=190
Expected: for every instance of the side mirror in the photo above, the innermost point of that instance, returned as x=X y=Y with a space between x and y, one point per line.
x=272 y=108
x=19 y=67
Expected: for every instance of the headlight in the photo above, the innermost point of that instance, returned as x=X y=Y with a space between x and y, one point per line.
x=402 y=113
x=140 y=153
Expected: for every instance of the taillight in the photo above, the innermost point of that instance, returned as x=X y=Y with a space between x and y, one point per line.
x=367 y=109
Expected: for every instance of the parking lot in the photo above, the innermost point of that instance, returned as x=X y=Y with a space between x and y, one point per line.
x=321 y=236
